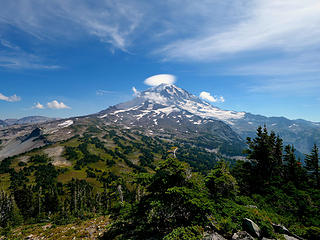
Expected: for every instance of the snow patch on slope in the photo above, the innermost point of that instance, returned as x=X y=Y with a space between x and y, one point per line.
x=65 y=124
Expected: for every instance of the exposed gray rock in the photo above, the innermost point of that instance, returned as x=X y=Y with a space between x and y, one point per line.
x=242 y=235
x=287 y=237
x=213 y=236
x=283 y=230
x=251 y=227
x=280 y=229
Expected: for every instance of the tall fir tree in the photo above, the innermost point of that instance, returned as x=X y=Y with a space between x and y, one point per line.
x=291 y=163
x=265 y=153
x=312 y=164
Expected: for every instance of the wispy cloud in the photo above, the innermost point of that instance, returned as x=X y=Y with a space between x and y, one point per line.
x=288 y=25
x=101 y=92
x=13 y=98
x=14 y=57
x=136 y=93
x=8 y=44
x=23 y=60
x=57 y=105
x=109 y=21
x=306 y=63
x=284 y=85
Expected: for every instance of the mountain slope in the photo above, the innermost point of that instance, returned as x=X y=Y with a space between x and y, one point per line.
x=167 y=109
x=28 y=120
x=169 y=112
x=2 y=123
x=169 y=105
x=302 y=134
x=170 y=98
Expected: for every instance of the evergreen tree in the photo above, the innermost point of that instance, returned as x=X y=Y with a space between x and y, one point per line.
x=312 y=163
x=221 y=183
x=6 y=208
x=291 y=163
x=265 y=153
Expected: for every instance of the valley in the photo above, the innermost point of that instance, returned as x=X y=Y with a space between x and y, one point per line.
x=108 y=165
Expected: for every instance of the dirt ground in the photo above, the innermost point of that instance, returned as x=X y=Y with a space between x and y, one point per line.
x=56 y=154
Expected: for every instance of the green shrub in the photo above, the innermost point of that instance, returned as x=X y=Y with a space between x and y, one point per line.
x=185 y=233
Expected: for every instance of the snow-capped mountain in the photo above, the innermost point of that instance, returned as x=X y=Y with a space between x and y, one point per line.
x=166 y=99
x=172 y=107
x=167 y=109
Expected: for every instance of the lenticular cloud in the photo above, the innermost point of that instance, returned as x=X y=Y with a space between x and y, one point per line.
x=160 y=79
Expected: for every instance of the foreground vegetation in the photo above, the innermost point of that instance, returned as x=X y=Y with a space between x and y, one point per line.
x=149 y=193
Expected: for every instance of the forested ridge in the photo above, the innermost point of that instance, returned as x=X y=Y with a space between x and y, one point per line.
x=152 y=188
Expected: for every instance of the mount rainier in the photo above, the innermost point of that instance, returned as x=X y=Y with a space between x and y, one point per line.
x=167 y=102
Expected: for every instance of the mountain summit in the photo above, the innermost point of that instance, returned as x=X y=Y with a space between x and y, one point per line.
x=168 y=112
x=165 y=103
x=165 y=99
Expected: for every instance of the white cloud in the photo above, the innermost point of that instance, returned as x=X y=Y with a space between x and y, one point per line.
x=136 y=93
x=208 y=97
x=112 y=22
x=56 y=105
x=155 y=97
x=13 y=98
x=160 y=79
x=38 y=105
x=287 y=25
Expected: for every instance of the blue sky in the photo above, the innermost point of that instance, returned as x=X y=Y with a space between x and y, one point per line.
x=65 y=58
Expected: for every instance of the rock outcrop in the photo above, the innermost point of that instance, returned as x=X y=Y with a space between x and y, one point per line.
x=251 y=227
x=242 y=235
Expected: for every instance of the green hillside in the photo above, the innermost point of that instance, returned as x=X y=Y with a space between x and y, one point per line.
x=155 y=188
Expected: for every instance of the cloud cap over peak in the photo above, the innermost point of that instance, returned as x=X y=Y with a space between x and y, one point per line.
x=160 y=79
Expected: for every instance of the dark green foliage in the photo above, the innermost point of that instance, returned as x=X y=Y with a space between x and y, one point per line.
x=22 y=164
x=242 y=171
x=112 y=133
x=293 y=168
x=6 y=208
x=185 y=233
x=39 y=159
x=90 y=173
x=265 y=153
x=174 y=201
x=80 y=196
x=24 y=198
x=221 y=183
x=110 y=163
x=170 y=199
x=146 y=159
x=71 y=153
x=17 y=179
x=312 y=164
x=90 y=158
x=5 y=165
x=46 y=175
x=198 y=159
